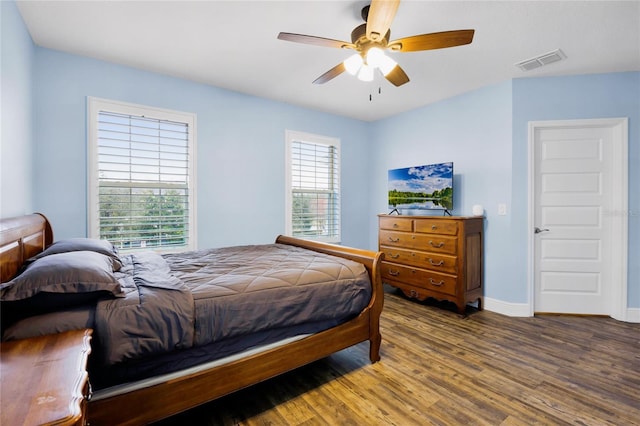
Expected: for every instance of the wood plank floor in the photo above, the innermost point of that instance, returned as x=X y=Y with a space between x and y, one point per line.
x=439 y=368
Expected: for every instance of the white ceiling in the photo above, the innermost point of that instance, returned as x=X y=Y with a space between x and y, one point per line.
x=233 y=44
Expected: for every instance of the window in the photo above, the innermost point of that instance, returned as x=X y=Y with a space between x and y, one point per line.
x=313 y=187
x=141 y=176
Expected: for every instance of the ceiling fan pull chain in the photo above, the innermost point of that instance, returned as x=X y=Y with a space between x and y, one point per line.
x=379 y=93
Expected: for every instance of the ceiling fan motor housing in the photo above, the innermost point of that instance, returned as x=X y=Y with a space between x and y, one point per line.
x=363 y=44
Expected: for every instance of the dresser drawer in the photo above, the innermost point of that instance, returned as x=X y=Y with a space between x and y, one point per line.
x=419 y=277
x=396 y=223
x=433 y=261
x=425 y=242
x=446 y=227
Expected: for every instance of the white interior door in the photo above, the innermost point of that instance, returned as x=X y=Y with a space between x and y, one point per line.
x=575 y=193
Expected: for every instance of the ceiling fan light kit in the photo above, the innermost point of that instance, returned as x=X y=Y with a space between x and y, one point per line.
x=376 y=58
x=368 y=41
x=364 y=68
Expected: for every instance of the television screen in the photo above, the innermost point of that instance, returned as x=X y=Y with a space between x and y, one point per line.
x=427 y=187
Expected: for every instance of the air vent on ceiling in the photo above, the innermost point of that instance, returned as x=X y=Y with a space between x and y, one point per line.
x=541 y=60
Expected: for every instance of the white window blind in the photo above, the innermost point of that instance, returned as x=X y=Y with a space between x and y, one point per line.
x=143 y=173
x=314 y=187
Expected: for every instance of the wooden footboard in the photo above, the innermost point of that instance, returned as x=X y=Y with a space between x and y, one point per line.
x=371 y=260
x=26 y=236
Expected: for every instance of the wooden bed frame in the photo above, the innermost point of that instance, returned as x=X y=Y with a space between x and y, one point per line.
x=25 y=236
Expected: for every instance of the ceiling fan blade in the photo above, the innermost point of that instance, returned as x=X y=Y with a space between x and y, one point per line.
x=331 y=74
x=397 y=76
x=381 y=14
x=432 y=41
x=317 y=41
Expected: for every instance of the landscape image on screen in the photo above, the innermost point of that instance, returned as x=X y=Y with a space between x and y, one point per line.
x=421 y=187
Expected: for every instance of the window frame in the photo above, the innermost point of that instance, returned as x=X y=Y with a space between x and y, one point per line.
x=94 y=106
x=292 y=136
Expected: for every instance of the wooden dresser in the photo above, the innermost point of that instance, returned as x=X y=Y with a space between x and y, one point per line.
x=433 y=256
x=44 y=379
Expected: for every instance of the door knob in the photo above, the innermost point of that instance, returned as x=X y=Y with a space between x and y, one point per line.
x=538 y=230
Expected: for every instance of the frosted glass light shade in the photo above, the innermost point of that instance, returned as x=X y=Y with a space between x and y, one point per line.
x=366 y=73
x=375 y=56
x=353 y=63
x=386 y=64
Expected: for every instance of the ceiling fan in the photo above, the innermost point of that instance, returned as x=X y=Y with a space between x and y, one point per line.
x=371 y=39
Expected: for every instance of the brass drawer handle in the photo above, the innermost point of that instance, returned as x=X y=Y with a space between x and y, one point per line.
x=436 y=264
x=397 y=240
x=394 y=256
x=394 y=273
x=439 y=245
x=441 y=283
x=433 y=227
x=395 y=225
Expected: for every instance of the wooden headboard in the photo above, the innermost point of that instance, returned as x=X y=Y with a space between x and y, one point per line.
x=21 y=238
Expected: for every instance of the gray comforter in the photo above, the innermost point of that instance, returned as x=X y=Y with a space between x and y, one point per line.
x=155 y=316
x=176 y=301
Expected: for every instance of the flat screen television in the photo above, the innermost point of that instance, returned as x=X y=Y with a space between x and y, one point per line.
x=428 y=187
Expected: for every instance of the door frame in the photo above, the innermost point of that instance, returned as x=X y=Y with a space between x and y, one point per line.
x=618 y=212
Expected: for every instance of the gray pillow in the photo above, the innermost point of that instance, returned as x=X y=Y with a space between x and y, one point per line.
x=82 y=244
x=50 y=323
x=74 y=272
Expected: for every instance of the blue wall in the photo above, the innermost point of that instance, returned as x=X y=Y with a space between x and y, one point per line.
x=485 y=134
x=240 y=149
x=474 y=131
x=578 y=97
x=16 y=139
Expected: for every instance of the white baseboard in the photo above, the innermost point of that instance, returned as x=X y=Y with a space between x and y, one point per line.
x=507 y=308
x=522 y=309
x=633 y=315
